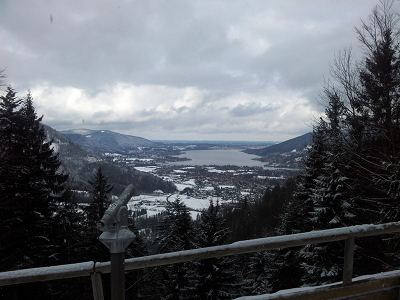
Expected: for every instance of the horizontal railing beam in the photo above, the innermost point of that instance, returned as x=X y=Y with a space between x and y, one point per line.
x=47 y=273
x=374 y=286
x=242 y=247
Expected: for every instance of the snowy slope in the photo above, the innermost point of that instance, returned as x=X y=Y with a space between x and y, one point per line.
x=105 y=140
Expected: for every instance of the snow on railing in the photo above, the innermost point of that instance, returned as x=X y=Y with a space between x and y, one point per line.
x=248 y=246
x=47 y=273
x=255 y=245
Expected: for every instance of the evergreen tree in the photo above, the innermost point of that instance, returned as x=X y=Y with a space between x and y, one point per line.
x=70 y=241
x=70 y=229
x=30 y=185
x=377 y=115
x=176 y=234
x=215 y=276
x=314 y=206
x=284 y=269
x=266 y=271
x=356 y=179
x=240 y=219
x=295 y=217
x=332 y=202
x=271 y=206
x=331 y=197
x=10 y=122
x=257 y=274
x=377 y=107
x=140 y=282
x=101 y=199
x=100 y=192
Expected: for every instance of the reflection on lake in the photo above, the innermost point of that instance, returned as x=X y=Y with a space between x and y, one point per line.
x=219 y=158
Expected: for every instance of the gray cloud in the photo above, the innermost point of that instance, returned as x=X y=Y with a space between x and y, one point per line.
x=250 y=109
x=199 y=69
x=102 y=114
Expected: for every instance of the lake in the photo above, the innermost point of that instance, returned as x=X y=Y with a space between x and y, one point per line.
x=218 y=157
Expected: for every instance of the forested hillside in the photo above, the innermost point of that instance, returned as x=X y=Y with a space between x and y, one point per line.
x=299 y=143
x=102 y=141
x=81 y=164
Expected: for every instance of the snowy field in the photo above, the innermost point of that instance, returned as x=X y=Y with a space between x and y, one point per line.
x=156 y=204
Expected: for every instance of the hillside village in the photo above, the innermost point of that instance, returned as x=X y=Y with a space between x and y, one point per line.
x=198 y=184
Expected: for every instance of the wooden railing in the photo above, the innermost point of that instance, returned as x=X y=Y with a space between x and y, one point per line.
x=315 y=237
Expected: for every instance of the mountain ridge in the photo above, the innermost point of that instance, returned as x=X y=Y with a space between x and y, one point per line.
x=299 y=143
x=81 y=164
x=103 y=141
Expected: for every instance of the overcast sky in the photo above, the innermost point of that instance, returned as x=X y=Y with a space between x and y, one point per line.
x=175 y=69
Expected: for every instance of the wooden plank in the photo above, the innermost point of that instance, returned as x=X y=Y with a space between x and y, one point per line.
x=340 y=291
x=277 y=242
x=46 y=273
x=387 y=294
x=97 y=286
x=348 y=260
x=294 y=240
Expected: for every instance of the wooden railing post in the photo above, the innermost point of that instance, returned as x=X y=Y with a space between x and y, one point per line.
x=97 y=286
x=348 y=260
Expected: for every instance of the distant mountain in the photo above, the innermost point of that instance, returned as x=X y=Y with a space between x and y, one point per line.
x=298 y=144
x=81 y=164
x=73 y=156
x=102 y=141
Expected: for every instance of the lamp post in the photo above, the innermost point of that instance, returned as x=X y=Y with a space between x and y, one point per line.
x=117 y=236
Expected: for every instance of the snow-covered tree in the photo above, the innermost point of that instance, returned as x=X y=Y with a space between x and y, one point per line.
x=284 y=269
x=215 y=277
x=100 y=191
x=176 y=233
x=30 y=186
x=377 y=116
x=101 y=195
x=295 y=217
x=332 y=203
x=332 y=197
x=30 y=183
x=70 y=228
x=356 y=182
x=376 y=121
x=70 y=240
x=140 y=282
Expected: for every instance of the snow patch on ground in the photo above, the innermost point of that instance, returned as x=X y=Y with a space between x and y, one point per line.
x=155 y=204
x=149 y=169
x=182 y=186
x=227 y=186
